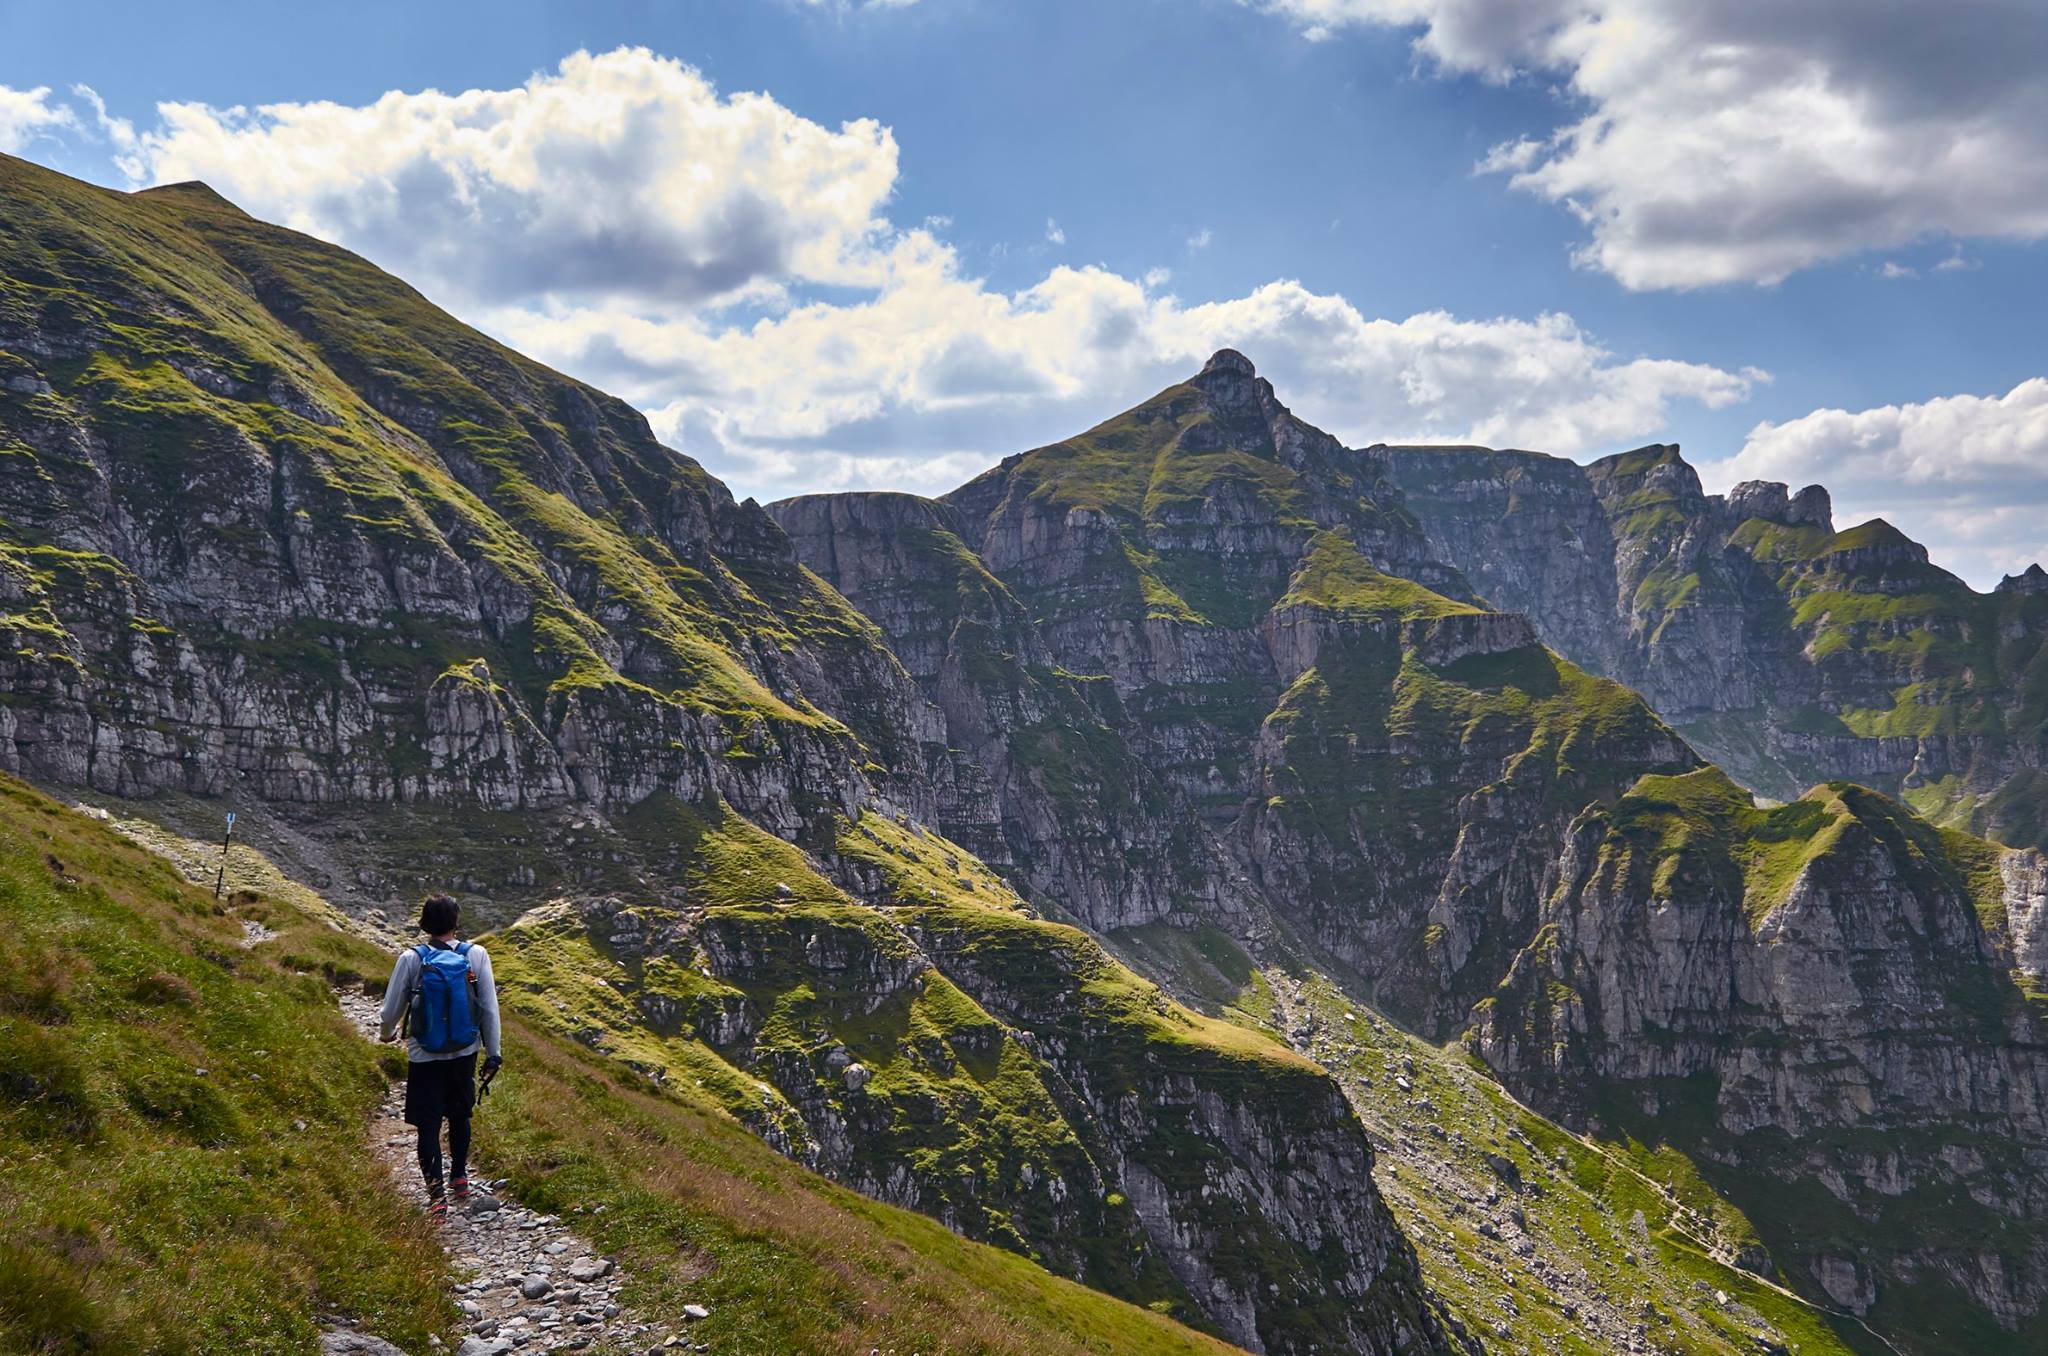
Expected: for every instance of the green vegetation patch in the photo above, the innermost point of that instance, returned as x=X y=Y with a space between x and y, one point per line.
x=1469 y=1173
x=1700 y=830
x=1337 y=576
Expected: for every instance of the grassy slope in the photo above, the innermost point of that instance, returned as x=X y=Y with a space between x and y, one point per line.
x=206 y=342
x=1579 y=1197
x=1159 y=463
x=1957 y=661
x=192 y=1217
x=1702 y=823
x=1336 y=576
x=156 y=1191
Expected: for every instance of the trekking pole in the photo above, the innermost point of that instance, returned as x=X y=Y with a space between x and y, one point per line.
x=220 y=878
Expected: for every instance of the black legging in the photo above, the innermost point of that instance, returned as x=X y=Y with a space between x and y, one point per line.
x=458 y=1147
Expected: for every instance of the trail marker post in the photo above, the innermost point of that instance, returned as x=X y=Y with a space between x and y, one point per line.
x=220 y=877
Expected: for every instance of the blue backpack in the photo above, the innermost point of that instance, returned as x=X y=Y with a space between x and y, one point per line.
x=442 y=1019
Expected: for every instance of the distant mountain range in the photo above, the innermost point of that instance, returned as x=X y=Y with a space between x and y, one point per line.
x=989 y=853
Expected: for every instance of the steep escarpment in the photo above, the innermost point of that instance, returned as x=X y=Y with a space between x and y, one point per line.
x=279 y=534
x=1055 y=793
x=1527 y=534
x=942 y=1047
x=1787 y=651
x=275 y=526
x=1389 y=765
x=1837 y=1007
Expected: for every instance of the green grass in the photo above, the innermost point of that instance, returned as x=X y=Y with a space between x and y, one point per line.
x=1157 y=469
x=182 y=1164
x=1701 y=831
x=1336 y=576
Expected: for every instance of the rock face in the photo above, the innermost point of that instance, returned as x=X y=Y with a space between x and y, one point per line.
x=1051 y=788
x=944 y=1049
x=1789 y=652
x=274 y=529
x=1831 y=1000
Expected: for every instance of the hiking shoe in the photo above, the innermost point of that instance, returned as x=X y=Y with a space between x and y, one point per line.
x=437 y=1202
x=458 y=1190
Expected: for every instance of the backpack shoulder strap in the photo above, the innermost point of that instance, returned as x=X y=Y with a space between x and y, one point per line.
x=462 y=949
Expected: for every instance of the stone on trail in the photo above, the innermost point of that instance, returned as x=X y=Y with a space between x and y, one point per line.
x=345 y=1343
x=589 y=1268
x=535 y=1286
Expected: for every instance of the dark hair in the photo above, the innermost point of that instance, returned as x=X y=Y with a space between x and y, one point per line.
x=438 y=915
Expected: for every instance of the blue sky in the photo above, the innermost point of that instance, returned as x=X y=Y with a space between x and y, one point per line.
x=1049 y=209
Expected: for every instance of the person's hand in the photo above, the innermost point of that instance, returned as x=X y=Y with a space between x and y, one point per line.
x=490 y=1071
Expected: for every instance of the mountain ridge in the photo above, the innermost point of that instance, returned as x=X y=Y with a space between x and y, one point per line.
x=859 y=810
x=1403 y=782
x=277 y=529
x=1793 y=653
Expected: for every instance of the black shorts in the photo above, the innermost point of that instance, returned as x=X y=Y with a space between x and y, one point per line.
x=439 y=1088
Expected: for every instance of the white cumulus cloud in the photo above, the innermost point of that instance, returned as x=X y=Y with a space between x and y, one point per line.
x=28 y=113
x=1717 y=141
x=620 y=175
x=939 y=366
x=1964 y=474
x=731 y=267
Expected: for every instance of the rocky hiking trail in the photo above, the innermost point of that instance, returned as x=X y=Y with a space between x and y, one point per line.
x=528 y=1283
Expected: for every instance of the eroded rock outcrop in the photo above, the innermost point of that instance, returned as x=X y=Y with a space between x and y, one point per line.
x=1831 y=1001
x=1787 y=651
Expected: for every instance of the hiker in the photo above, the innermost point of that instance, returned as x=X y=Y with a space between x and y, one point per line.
x=441 y=997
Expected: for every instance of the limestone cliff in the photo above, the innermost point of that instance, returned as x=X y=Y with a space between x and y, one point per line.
x=1836 y=1005
x=1057 y=792
x=1787 y=651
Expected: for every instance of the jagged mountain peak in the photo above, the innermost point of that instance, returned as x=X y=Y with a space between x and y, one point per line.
x=1235 y=391
x=1772 y=500
x=1229 y=360
x=1639 y=459
x=2032 y=580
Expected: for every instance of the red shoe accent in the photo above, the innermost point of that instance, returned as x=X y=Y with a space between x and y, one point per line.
x=459 y=1189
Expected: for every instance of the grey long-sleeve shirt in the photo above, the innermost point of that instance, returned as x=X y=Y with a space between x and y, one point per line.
x=406 y=974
